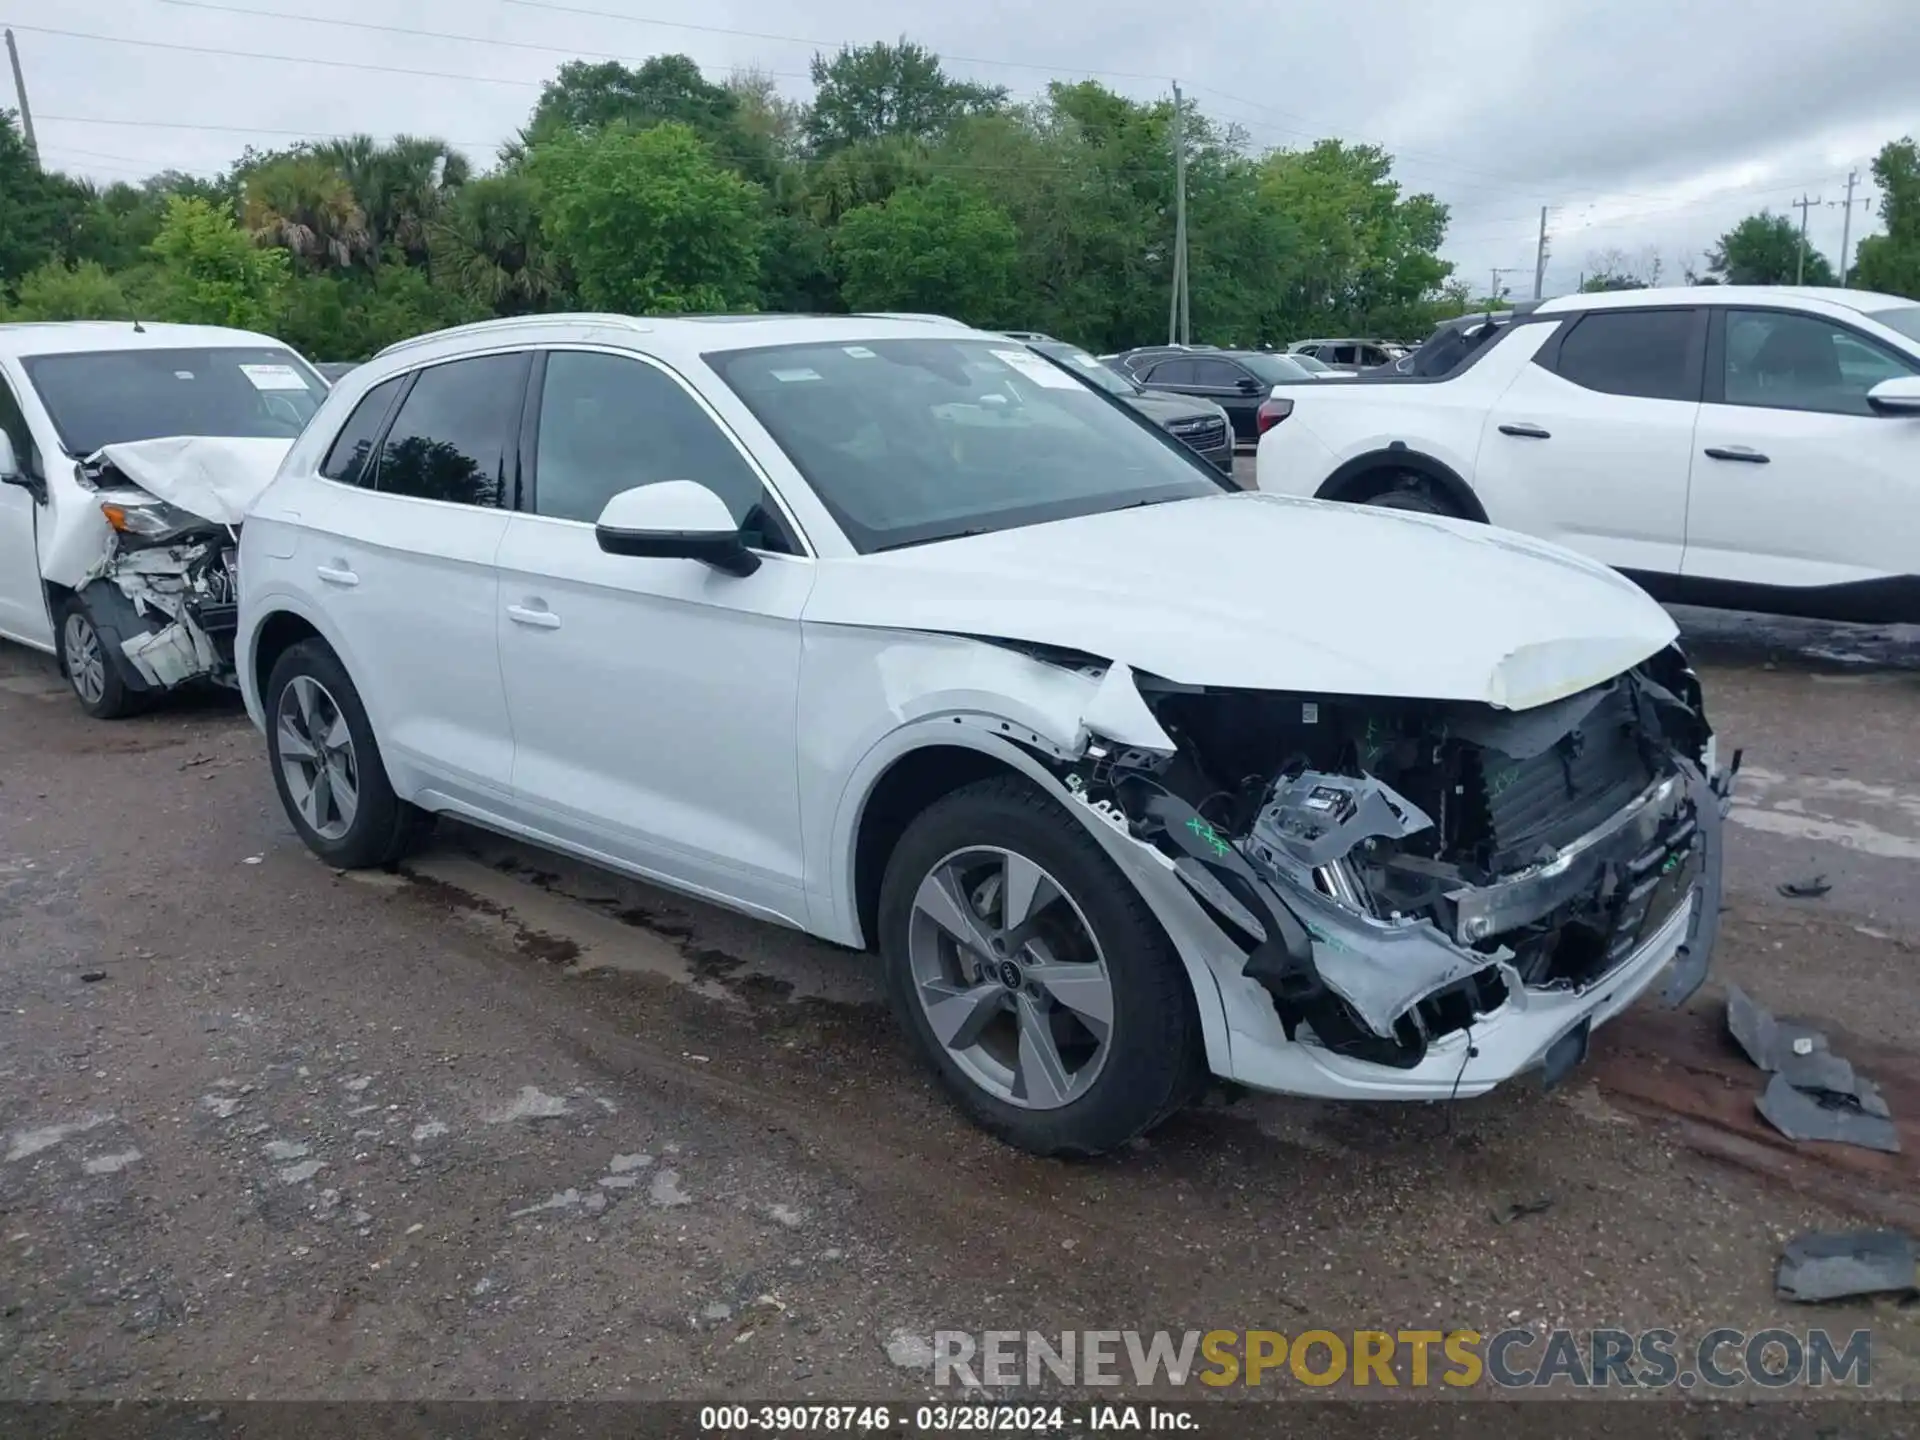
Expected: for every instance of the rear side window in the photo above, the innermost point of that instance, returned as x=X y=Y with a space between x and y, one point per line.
x=348 y=460
x=1217 y=374
x=1171 y=372
x=1340 y=354
x=1651 y=354
x=455 y=432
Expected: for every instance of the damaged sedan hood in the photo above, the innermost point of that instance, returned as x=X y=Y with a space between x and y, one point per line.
x=217 y=478
x=1270 y=592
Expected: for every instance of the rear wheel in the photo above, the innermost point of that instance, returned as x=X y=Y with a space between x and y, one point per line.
x=1410 y=490
x=1031 y=976
x=327 y=765
x=90 y=670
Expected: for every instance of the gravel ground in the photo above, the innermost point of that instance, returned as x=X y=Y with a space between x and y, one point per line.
x=500 y=1125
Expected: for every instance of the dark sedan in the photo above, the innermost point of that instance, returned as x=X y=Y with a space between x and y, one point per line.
x=1235 y=380
x=1198 y=424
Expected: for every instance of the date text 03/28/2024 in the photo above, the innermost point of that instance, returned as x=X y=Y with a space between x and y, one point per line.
x=943 y=1419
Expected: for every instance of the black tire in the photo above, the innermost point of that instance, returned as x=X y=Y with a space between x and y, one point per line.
x=383 y=826
x=1156 y=1062
x=86 y=673
x=1409 y=491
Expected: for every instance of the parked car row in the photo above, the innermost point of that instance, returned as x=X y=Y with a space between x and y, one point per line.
x=924 y=641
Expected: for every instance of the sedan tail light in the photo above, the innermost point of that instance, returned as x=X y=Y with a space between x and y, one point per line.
x=1271 y=413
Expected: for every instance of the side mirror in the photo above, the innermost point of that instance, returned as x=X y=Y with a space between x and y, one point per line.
x=1249 y=386
x=1898 y=396
x=675 y=520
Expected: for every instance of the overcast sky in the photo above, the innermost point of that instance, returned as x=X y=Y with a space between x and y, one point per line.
x=1642 y=123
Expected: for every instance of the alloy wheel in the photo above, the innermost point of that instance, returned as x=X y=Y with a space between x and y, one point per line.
x=317 y=759
x=86 y=666
x=1010 y=977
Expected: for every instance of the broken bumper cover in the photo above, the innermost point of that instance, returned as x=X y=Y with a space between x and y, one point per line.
x=1683 y=814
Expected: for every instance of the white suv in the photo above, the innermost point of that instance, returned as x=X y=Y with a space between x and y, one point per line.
x=904 y=635
x=1756 y=448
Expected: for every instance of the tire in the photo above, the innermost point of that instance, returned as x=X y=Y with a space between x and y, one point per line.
x=353 y=820
x=89 y=669
x=1087 y=924
x=1409 y=491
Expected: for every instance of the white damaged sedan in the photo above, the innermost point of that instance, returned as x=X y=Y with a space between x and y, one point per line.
x=899 y=634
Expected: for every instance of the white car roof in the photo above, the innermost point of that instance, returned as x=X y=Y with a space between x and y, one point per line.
x=69 y=337
x=673 y=338
x=1866 y=302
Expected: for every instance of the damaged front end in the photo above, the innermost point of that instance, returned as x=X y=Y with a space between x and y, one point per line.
x=164 y=592
x=1400 y=872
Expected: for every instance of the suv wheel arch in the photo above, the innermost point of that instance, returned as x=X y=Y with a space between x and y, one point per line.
x=1367 y=475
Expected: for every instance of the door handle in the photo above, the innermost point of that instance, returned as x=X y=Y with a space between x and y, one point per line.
x=1526 y=432
x=337 y=575
x=540 y=619
x=1736 y=452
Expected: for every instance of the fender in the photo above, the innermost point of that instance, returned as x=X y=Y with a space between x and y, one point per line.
x=1399 y=456
x=262 y=608
x=1193 y=934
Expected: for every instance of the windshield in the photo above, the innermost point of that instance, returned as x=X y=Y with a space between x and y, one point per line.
x=110 y=397
x=1276 y=369
x=1905 y=320
x=1090 y=369
x=1311 y=364
x=911 y=441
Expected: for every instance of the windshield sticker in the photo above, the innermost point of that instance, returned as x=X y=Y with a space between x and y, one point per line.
x=789 y=377
x=858 y=352
x=1039 y=371
x=183 y=374
x=273 y=377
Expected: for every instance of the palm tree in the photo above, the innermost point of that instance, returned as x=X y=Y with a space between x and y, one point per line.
x=404 y=185
x=489 y=246
x=303 y=204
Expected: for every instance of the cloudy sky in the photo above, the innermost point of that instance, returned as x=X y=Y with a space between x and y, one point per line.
x=1648 y=126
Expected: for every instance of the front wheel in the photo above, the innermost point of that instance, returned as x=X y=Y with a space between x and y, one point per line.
x=90 y=670
x=327 y=765
x=1031 y=976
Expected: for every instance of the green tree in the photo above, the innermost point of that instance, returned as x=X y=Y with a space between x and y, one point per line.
x=1891 y=262
x=936 y=247
x=210 y=273
x=36 y=208
x=666 y=89
x=79 y=292
x=351 y=314
x=1764 y=249
x=649 y=221
x=402 y=187
x=490 y=245
x=867 y=91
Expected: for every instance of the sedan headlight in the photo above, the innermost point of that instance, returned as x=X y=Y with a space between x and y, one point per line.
x=146 y=518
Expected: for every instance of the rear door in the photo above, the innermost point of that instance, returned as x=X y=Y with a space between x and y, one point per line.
x=1797 y=481
x=23 y=605
x=1591 y=445
x=401 y=530
x=1234 y=389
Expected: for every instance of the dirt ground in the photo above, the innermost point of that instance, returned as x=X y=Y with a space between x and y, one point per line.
x=500 y=1125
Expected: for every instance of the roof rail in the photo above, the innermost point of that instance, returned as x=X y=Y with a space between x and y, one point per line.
x=511 y=323
x=913 y=315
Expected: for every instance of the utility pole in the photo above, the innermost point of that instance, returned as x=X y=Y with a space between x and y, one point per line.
x=1803 y=205
x=1179 y=320
x=1540 y=256
x=26 y=112
x=1846 y=230
x=1499 y=270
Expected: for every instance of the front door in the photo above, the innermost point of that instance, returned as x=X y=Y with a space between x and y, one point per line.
x=652 y=700
x=1797 y=482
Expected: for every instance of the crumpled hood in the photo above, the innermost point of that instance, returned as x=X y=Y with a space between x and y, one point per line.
x=1271 y=592
x=215 y=477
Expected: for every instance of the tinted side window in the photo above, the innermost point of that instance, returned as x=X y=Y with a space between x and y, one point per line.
x=1216 y=374
x=456 y=431
x=608 y=423
x=1648 y=353
x=1801 y=362
x=1171 y=372
x=348 y=460
x=1341 y=354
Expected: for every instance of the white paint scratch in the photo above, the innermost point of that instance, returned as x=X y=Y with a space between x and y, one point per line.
x=565 y=1200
